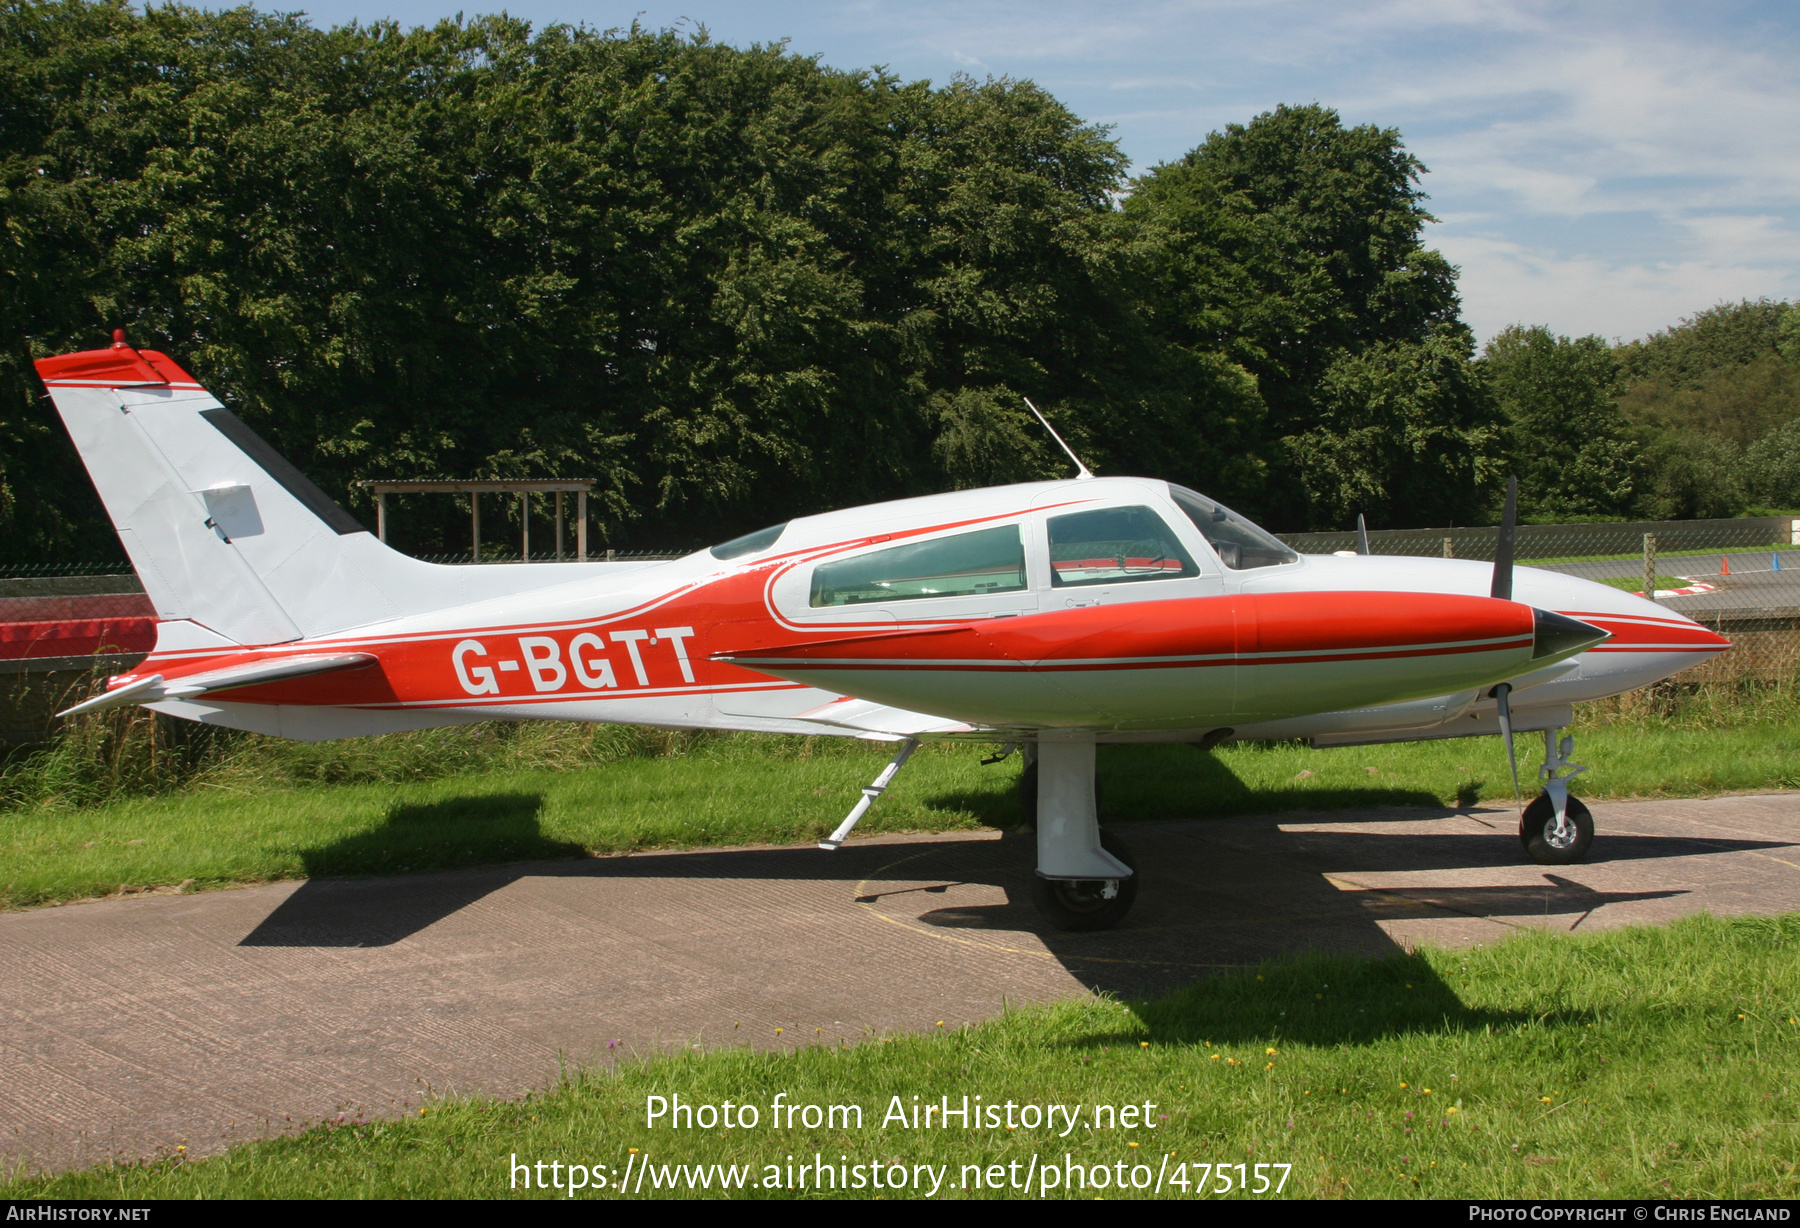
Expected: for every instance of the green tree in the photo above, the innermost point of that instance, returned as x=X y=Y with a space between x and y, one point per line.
x=1293 y=247
x=1568 y=443
x=1726 y=335
x=731 y=284
x=1771 y=468
x=1787 y=335
x=1703 y=393
x=1690 y=478
x=1405 y=432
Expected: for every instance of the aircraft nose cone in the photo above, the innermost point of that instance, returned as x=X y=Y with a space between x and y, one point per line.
x=1558 y=635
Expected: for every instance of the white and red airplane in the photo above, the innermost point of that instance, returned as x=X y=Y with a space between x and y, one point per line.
x=1049 y=615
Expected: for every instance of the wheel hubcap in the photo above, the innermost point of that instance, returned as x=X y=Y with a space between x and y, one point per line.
x=1087 y=896
x=1559 y=840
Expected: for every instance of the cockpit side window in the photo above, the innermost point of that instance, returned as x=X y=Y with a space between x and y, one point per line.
x=1114 y=545
x=966 y=565
x=1240 y=544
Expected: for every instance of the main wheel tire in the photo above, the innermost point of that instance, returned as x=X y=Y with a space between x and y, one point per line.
x=1028 y=795
x=1537 y=832
x=1084 y=906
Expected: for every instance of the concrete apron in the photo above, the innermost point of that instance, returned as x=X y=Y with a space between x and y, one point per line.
x=134 y=1026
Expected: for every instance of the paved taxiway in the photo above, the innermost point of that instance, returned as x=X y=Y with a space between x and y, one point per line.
x=135 y=1025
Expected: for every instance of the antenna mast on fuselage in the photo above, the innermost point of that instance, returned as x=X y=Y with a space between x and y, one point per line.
x=1081 y=470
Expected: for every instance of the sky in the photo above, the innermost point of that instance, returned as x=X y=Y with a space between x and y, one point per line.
x=1602 y=168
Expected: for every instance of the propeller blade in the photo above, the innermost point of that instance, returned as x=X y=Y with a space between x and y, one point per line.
x=1362 y=535
x=1512 y=755
x=1503 y=547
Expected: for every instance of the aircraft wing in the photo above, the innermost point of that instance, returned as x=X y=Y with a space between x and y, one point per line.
x=279 y=669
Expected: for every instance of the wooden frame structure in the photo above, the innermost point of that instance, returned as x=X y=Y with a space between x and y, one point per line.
x=557 y=486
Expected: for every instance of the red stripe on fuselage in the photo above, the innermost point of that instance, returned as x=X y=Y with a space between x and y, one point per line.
x=1636 y=633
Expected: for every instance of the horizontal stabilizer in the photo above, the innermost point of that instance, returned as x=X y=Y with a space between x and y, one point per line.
x=280 y=669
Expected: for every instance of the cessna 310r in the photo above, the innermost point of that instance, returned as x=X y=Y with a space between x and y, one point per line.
x=1050 y=615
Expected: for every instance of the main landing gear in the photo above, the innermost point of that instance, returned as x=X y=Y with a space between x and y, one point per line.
x=1086 y=877
x=1556 y=829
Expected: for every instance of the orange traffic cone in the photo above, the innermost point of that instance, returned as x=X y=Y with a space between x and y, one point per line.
x=1725 y=565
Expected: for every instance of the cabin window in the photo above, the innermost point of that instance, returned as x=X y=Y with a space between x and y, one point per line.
x=1115 y=545
x=967 y=565
x=1239 y=544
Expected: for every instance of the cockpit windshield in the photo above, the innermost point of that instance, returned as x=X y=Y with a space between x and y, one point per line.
x=1239 y=544
x=749 y=543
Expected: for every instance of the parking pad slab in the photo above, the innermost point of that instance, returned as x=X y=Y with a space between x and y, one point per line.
x=136 y=1025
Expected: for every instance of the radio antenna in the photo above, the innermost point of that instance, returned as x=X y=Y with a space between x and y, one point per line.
x=1081 y=470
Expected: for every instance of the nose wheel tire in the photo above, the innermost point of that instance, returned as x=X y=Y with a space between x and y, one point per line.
x=1085 y=906
x=1537 y=832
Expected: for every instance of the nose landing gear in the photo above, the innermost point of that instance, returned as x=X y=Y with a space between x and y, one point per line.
x=1557 y=829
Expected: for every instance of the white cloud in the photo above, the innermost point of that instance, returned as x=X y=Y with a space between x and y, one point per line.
x=1506 y=282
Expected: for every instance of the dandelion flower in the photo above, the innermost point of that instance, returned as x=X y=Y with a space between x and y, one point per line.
x=1215 y=1057
x=1543 y=1100
x=779 y=1031
x=1143 y=1044
x=1403 y=1086
x=1269 y=1052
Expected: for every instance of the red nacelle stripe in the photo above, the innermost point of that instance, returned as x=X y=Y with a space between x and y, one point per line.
x=1305 y=626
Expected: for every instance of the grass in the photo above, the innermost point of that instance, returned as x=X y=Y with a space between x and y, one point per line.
x=1652 y=1062
x=1630 y=583
x=260 y=810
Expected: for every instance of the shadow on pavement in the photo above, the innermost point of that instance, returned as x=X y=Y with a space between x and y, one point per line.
x=1216 y=895
x=332 y=912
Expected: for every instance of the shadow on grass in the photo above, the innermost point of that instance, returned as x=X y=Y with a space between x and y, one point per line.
x=458 y=832
x=1179 y=782
x=1318 y=999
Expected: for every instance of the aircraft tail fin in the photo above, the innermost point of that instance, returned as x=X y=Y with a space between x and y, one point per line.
x=221 y=529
